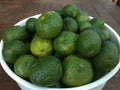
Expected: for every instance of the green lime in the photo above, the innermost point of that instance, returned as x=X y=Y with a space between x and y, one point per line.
x=76 y=71
x=58 y=85
x=60 y=12
x=40 y=46
x=69 y=24
x=30 y=24
x=106 y=59
x=98 y=22
x=23 y=64
x=14 y=33
x=12 y=50
x=61 y=57
x=46 y=71
x=82 y=16
x=65 y=43
x=106 y=34
x=89 y=43
x=83 y=25
x=97 y=30
x=28 y=47
x=49 y=25
x=70 y=10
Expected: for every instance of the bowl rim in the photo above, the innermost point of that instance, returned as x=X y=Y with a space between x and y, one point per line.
x=30 y=85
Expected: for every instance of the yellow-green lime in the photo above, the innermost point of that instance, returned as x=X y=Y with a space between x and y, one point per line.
x=40 y=46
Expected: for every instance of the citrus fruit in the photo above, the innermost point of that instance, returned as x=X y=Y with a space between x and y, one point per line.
x=49 y=24
x=14 y=32
x=30 y=24
x=60 y=12
x=106 y=34
x=40 y=46
x=46 y=71
x=70 y=10
x=82 y=16
x=76 y=71
x=58 y=85
x=98 y=22
x=65 y=43
x=12 y=50
x=89 y=43
x=23 y=64
x=61 y=57
x=83 y=25
x=69 y=24
x=106 y=59
x=97 y=30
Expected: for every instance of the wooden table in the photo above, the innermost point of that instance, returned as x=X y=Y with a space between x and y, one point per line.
x=12 y=11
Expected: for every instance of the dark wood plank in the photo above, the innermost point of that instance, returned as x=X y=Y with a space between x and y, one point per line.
x=113 y=84
x=6 y=83
x=106 y=16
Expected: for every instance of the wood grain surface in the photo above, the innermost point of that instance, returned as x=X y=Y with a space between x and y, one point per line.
x=12 y=11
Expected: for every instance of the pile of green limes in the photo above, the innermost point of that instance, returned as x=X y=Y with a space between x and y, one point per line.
x=61 y=48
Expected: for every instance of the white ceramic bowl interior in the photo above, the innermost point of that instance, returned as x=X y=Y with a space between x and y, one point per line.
x=96 y=85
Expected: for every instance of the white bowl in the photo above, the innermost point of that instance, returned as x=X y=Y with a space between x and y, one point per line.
x=96 y=85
